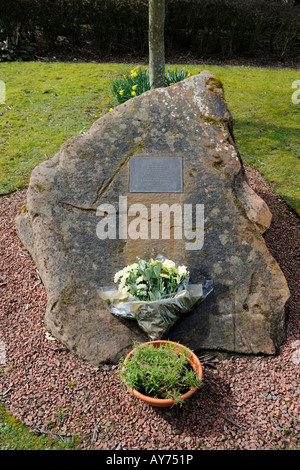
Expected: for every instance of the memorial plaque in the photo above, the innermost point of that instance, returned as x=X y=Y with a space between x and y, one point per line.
x=156 y=175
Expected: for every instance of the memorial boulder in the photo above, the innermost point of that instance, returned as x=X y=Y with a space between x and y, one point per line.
x=159 y=174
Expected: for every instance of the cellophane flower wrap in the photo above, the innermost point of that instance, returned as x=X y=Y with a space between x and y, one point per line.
x=155 y=293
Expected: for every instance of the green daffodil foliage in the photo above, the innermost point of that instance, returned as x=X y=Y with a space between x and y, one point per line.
x=151 y=280
x=137 y=82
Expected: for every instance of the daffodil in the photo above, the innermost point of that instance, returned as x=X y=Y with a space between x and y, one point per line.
x=110 y=109
x=189 y=74
x=121 y=92
x=125 y=76
x=133 y=93
x=133 y=75
x=134 y=87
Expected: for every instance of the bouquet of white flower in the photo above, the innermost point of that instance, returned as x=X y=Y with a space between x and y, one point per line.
x=154 y=293
x=151 y=280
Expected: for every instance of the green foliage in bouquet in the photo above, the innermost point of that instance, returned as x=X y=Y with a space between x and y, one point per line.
x=151 y=280
x=137 y=82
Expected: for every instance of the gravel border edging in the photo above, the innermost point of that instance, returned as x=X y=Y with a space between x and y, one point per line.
x=245 y=403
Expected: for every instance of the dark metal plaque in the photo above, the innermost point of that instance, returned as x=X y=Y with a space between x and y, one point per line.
x=156 y=175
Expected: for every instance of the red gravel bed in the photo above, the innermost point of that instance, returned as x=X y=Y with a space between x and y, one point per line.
x=245 y=403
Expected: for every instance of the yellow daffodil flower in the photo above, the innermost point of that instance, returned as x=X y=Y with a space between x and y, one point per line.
x=125 y=76
x=189 y=74
x=110 y=109
x=133 y=75
x=133 y=93
x=121 y=92
x=134 y=87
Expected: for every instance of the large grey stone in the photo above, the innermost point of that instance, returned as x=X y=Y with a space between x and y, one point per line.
x=247 y=310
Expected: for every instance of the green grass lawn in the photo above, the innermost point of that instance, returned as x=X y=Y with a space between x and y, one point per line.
x=15 y=436
x=46 y=103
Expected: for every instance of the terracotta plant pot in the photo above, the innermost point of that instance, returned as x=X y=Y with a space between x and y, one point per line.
x=165 y=402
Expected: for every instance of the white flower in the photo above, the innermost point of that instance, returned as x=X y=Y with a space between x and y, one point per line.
x=125 y=271
x=142 y=292
x=168 y=264
x=182 y=270
x=125 y=290
x=140 y=279
x=123 y=280
x=135 y=265
x=117 y=276
x=142 y=286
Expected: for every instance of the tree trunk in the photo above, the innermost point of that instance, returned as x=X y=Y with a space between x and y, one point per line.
x=156 y=43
